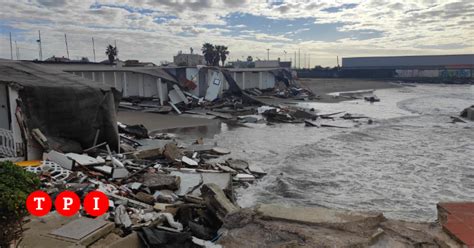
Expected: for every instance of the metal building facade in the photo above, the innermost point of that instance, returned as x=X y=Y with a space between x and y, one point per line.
x=413 y=62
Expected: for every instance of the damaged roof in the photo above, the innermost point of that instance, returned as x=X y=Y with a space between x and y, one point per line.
x=152 y=71
x=30 y=74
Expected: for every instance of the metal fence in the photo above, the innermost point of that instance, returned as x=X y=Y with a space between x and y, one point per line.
x=7 y=143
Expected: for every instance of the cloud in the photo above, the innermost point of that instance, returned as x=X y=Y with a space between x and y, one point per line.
x=154 y=30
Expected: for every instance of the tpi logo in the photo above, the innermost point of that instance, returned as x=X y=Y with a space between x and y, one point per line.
x=67 y=203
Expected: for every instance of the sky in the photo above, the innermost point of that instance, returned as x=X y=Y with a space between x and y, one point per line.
x=155 y=30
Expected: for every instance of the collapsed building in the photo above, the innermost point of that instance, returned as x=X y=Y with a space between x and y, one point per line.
x=39 y=103
x=200 y=81
x=74 y=105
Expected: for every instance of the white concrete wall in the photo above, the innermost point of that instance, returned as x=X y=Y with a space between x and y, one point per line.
x=149 y=86
x=268 y=80
x=251 y=79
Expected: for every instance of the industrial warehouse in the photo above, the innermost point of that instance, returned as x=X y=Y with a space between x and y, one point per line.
x=443 y=67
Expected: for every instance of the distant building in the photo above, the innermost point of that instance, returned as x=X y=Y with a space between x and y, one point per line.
x=272 y=64
x=188 y=59
x=136 y=63
x=427 y=66
x=241 y=64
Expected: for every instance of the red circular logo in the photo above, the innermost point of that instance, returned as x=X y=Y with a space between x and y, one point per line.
x=96 y=203
x=38 y=203
x=67 y=203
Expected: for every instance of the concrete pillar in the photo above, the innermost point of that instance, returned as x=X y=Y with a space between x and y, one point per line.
x=161 y=94
x=260 y=80
x=140 y=85
x=103 y=77
x=115 y=79
x=243 y=80
x=82 y=74
x=124 y=84
x=93 y=76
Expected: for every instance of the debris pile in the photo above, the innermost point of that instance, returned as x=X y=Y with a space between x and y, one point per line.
x=169 y=195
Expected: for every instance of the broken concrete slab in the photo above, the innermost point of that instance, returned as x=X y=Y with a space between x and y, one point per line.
x=104 y=168
x=83 y=231
x=171 y=152
x=241 y=177
x=83 y=159
x=144 y=197
x=217 y=201
x=200 y=148
x=255 y=169
x=148 y=154
x=237 y=164
x=226 y=168
x=188 y=182
x=189 y=161
x=220 y=150
x=155 y=181
x=60 y=159
x=223 y=180
x=180 y=94
x=340 y=219
x=121 y=217
x=119 y=172
x=174 y=97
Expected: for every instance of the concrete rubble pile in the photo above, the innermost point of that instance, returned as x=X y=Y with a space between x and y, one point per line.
x=168 y=196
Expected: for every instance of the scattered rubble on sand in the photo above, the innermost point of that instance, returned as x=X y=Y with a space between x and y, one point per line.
x=171 y=195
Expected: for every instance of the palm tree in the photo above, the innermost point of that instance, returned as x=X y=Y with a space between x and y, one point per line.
x=208 y=51
x=217 y=58
x=222 y=53
x=111 y=52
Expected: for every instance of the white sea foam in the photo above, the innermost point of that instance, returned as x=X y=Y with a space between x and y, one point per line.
x=403 y=165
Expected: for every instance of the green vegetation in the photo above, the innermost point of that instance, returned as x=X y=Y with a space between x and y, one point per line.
x=214 y=54
x=15 y=186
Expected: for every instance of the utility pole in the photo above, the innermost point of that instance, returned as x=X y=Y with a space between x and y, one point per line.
x=299 y=58
x=17 y=52
x=309 y=61
x=284 y=52
x=39 y=44
x=67 y=48
x=11 y=47
x=268 y=54
x=93 y=47
x=294 y=61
